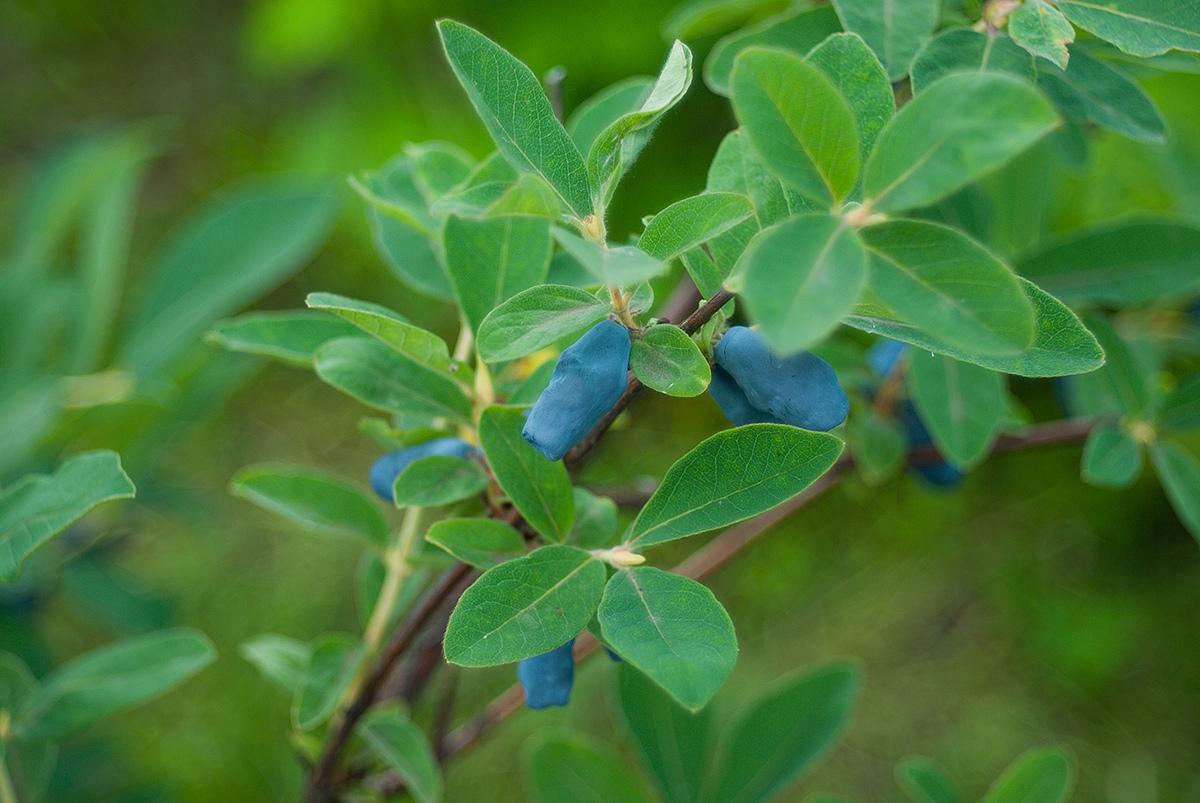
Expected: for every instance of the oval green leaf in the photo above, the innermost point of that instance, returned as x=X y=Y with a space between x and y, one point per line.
x=390 y=327
x=566 y=766
x=438 y=480
x=291 y=337
x=539 y=488
x=665 y=359
x=1179 y=472
x=1139 y=27
x=318 y=503
x=1042 y=775
x=798 y=31
x=686 y=224
x=1112 y=458
x=406 y=751
x=536 y=318
x=481 y=542
x=894 y=29
x=962 y=404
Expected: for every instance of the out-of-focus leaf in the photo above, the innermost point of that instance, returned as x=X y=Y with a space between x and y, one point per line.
x=1112 y=458
x=1042 y=775
x=1089 y=90
x=1179 y=472
x=962 y=49
x=617 y=266
x=336 y=659
x=566 y=766
x=924 y=781
x=604 y=108
x=280 y=659
x=894 y=29
x=318 y=503
x=492 y=260
x=962 y=404
x=798 y=31
x=405 y=750
x=1139 y=27
x=291 y=337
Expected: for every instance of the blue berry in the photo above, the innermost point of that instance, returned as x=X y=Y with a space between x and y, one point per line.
x=801 y=390
x=587 y=381
x=733 y=402
x=387 y=468
x=547 y=678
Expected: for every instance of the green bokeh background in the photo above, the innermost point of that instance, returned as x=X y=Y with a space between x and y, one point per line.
x=1024 y=608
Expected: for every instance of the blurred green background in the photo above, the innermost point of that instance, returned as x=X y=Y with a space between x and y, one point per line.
x=1025 y=608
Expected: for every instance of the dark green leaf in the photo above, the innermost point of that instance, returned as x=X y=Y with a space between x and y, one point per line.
x=1042 y=775
x=798 y=122
x=390 y=327
x=336 y=659
x=732 y=476
x=800 y=277
x=492 y=260
x=1179 y=472
x=798 y=30
x=1118 y=264
x=672 y=740
x=672 y=628
x=539 y=488
x=1042 y=30
x=438 y=480
x=962 y=404
x=963 y=50
x=685 y=224
x=406 y=751
x=318 y=503
x=537 y=318
x=517 y=114
x=481 y=542
x=1112 y=458
x=525 y=607
x=38 y=506
x=382 y=377
x=564 y=766
x=894 y=29
x=291 y=337
x=1089 y=90
x=960 y=128
x=667 y=360
x=924 y=781
x=950 y=284
x=110 y=679
x=856 y=72
x=785 y=731
x=1061 y=344
x=280 y=659
x=1139 y=27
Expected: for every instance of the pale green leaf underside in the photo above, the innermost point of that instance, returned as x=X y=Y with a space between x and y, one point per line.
x=961 y=404
x=536 y=318
x=686 y=224
x=318 y=503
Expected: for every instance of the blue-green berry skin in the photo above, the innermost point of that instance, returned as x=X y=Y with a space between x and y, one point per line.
x=547 y=678
x=801 y=390
x=388 y=467
x=733 y=402
x=588 y=379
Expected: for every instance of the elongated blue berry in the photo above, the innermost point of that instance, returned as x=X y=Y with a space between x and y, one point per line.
x=587 y=381
x=733 y=402
x=547 y=678
x=388 y=467
x=801 y=390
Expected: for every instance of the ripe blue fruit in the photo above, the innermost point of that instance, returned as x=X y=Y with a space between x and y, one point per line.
x=801 y=390
x=547 y=678
x=387 y=468
x=733 y=402
x=587 y=381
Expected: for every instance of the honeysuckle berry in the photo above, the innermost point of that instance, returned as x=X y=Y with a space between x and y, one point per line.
x=733 y=402
x=547 y=678
x=587 y=381
x=388 y=467
x=801 y=390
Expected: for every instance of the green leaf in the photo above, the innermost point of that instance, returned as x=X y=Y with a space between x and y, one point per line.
x=111 y=679
x=568 y=767
x=536 y=318
x=798 y=122
x=318 y=503
x=516 y=112
x=1041 y=775
x=665 y=359
x=950 y=284
x=618 y=266
x=798 y=31
x=1126 y=263
x=390 y=327
x=1181 y=409
x=281 y=659
x=672 y=740
x=1089 y=90
x=494 y=259
x=962 y=404
x=604 y=108
x=800 y=277
x=1042 y=30
x=336 y=659
x=1112 y=458
x=701 y=17
x=1179 y=472
x=685 y=224
x=672 y=628
x=1061 y=344
x=965 y=50
x=879 y=446
x=617 y=147
x=959 y=129
x=382 y=377
x=924 y=781
x=525 y=607
x=732 y=476
x=1128 y=379
x=1139 y=27
x=539 y=488
x=526 y=196
x=38 y=506
x=856 y=72
x=291 y=337
x=229 y=253
x=483 y=543
x=406 y=751
x=438 y=167
x=894 y=29
x=785 y=731
x=595 y=520
x=438 y=480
